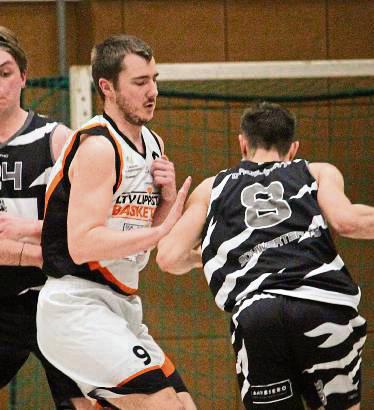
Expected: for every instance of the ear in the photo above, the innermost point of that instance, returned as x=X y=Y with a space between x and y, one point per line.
x=292 y=151
x=24 y=77
x=243 y=145
x=106 y=86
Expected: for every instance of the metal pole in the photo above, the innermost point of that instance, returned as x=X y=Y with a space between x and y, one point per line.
x=62 y=60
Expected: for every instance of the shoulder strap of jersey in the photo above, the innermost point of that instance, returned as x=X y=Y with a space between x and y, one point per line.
x=99 y=130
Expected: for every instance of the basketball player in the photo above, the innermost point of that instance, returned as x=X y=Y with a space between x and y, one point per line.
x=29 y=145
x=111 y=198
x=270 y=260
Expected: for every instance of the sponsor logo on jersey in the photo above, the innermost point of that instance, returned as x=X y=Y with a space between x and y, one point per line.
x=270 y=393
x=136 y=205
x=282 y=240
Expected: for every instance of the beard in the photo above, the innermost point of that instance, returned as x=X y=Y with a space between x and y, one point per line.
x=129 y=111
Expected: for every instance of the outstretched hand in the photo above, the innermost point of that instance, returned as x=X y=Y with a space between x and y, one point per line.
x=177 y=209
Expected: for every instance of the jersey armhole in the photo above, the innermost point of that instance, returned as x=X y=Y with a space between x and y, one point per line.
x=307 y=167
x=50 y=142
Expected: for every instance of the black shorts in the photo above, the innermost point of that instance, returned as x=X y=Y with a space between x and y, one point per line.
x=18 y=340
x=289 y=350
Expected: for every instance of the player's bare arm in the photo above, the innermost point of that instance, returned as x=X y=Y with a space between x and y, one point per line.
x=347 y=219
x=15 y=253
x=20 y=229
x=20 y=237
x=179 y=251
x=90 y=201
x=58 y=139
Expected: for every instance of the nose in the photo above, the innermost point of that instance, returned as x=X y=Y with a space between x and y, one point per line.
x=153 y=90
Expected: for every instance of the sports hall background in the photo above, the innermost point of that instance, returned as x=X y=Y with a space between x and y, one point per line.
x=210 y=31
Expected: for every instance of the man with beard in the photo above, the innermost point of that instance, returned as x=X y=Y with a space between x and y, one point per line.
x=111 y=198
x=29 y=144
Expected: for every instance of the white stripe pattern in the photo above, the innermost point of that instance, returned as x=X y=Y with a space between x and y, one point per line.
x=318 y=221
x=221 y=257
x=242 y=367
x=42 y=179
x=342 y=383
x=34 y=135
x=320 y=295
x=338 y=333
x=209 y=232
x=341 y=363
x=216 y=191
x=336 y=264
x=306 y=189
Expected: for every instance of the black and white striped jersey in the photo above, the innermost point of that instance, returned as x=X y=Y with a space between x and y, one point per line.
x=265 y=232
x=25 y=163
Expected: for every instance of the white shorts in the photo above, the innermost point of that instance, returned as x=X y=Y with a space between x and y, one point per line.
x=96 y=336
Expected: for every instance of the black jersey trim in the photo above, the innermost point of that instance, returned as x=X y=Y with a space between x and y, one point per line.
x=156 y=139
x=25 y=125
x=125 y=138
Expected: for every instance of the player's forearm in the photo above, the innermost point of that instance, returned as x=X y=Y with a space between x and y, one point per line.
x=34 y=232
x=358 y=223
x=15 y=253
x=101 y=243
x=162 y=212
x=362 y=226
x=170 y=260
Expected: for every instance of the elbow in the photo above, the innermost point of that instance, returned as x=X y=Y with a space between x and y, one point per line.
x=76 y=252
x=167 y=260
x=164 y=262
x=345 y=227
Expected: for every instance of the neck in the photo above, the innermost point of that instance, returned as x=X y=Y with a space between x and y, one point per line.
x=11 y=121
x=132 y=132
x=262 y=155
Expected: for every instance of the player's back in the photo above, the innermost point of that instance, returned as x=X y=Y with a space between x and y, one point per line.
x=265 y=232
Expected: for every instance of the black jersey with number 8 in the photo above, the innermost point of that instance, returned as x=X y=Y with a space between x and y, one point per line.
x=265 y=232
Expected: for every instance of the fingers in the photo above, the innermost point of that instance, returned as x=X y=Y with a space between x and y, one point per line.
x=186 y=185
x=183 y=191
x=162 y=164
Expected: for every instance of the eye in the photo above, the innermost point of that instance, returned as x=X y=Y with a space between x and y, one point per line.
x=5 y=73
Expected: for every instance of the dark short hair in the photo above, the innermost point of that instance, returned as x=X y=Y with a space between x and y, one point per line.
x=268 y=126
x=107 y=57
x=10 y=43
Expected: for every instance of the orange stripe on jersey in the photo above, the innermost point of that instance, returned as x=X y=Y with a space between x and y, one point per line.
x=148 y=369
x=119 y=150
x=59 y=176
x=168 y=367
x=108 y=275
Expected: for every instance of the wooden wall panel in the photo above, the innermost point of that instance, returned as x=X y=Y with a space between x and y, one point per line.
x=39 y=36
x=350 y=29
x=178 y=30
x=207 y=367
x=97 y=20
x=276 y=30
